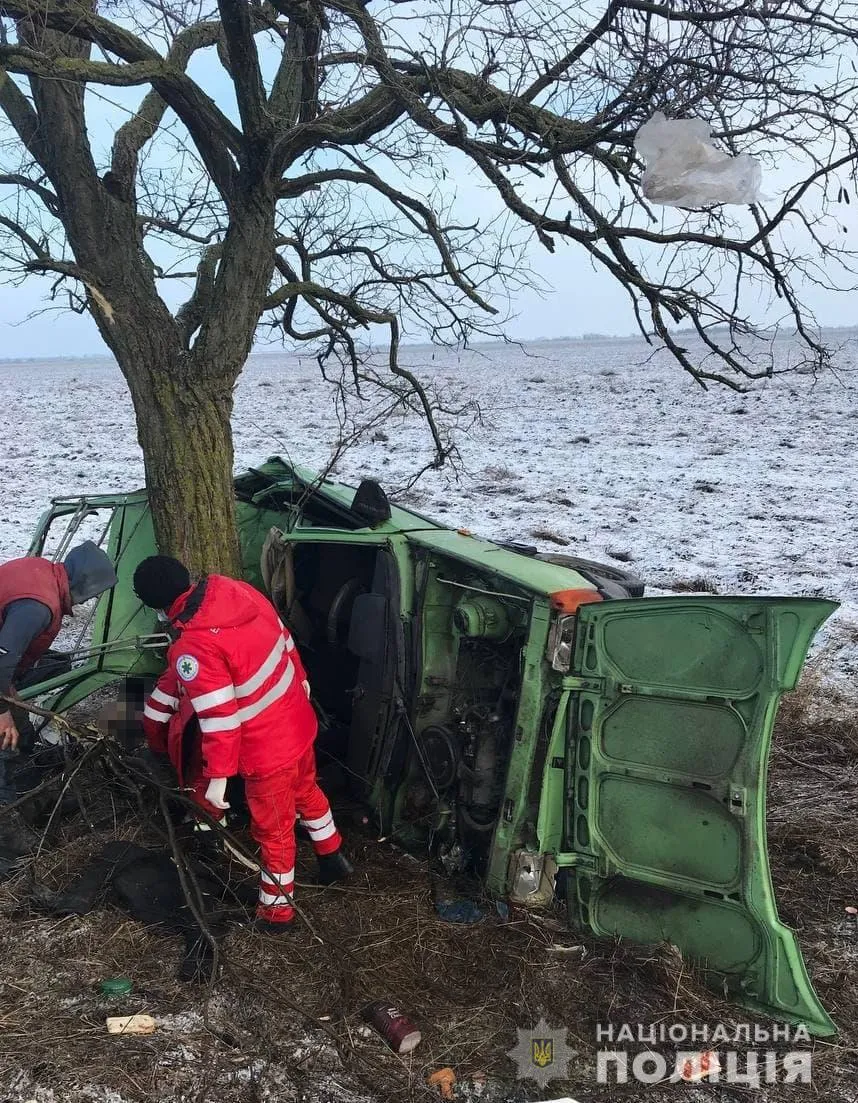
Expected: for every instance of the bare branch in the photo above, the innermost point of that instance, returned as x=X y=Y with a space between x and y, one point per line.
x=329 y=207
x=243 y=63
x=18 y=180
x=143 y=125
x=190 y=317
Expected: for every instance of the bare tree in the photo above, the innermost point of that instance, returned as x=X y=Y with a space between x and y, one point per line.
x=292 y=163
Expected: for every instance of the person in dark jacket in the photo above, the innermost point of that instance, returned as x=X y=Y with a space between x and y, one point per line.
x=35 y=595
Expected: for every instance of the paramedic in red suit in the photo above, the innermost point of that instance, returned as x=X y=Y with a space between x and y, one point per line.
x=235 y=665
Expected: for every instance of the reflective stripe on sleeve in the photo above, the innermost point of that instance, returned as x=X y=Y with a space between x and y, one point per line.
x=274 y=694
x=211 y=700
x=156 y=714
x=164 y=698
x=287 y=635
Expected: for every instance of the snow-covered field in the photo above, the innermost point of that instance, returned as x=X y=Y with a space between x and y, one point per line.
x=592 y=447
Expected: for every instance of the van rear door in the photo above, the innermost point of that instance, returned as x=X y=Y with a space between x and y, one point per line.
x=669 y=724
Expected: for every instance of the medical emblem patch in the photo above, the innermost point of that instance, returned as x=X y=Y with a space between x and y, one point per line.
x=187 y=668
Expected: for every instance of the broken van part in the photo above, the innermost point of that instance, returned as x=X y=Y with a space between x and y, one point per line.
x=156 y=641
x=530 y=719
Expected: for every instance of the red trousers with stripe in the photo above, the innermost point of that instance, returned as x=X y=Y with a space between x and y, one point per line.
x=274 y=803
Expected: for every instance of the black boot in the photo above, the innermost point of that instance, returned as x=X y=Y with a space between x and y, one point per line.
x=334 y=867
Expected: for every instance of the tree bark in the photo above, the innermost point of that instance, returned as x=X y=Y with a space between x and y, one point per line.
x=183 y=426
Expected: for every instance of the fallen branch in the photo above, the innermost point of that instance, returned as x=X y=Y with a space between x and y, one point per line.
x=90 y=754
x=126 y=764
x=190 y=886
x=42 y=787
x=808 y=765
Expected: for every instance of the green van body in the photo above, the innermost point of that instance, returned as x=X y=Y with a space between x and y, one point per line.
x=524 y=719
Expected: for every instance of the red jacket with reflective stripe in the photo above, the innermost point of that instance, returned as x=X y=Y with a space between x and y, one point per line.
x=41 y=580
x=241 y=673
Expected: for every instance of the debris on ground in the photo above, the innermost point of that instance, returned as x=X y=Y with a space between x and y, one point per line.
x=700 y=1066
x=283 y=1023
x=396 y=1028
x=443 y=1081
x=116 y=987
x=130 y=1024
x=458 y=911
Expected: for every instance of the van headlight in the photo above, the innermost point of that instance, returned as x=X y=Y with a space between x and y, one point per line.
x=561 y=642
x=526 y=874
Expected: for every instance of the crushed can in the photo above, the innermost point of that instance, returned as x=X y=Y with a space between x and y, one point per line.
x=393 y=1025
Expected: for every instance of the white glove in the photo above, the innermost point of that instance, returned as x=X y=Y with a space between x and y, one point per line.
x=216 y=792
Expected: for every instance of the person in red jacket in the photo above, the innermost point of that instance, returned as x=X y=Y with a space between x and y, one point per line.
x=235 y=666
x=35 y=595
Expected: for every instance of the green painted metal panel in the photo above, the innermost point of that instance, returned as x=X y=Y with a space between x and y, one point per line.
x=120 y=612
x=254 y=523
x=88 y=680
x=666 y=770
x=120 y=617
x=516 y=808
x=634 y=733
x=534 y=574
x=339 y=494
x=550 y=818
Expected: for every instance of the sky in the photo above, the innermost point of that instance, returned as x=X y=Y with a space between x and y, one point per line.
x=580 y=301
x=574 y=298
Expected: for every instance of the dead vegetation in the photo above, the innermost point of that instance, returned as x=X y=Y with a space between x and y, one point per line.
x=283 y=1021
x=622 y=555
x=699 y=584
x=813 y=840
x=549 y=537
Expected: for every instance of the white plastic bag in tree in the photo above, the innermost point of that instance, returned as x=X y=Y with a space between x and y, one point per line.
x=684 y=169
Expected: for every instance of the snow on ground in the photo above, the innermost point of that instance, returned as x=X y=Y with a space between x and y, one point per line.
x=590 y=447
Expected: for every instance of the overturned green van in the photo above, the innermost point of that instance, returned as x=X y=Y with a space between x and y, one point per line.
x=532 y=719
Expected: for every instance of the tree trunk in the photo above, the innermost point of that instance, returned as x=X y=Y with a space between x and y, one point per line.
x=183 y=425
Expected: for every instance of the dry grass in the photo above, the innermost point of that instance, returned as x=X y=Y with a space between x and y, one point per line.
x=283 y=1021
x=700 y=584
x=549 y=537
x=813 y=844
